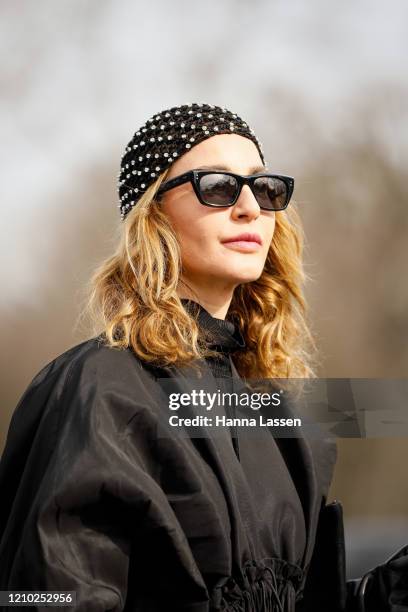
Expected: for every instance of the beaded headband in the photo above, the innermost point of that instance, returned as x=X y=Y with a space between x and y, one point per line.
x=165 y=137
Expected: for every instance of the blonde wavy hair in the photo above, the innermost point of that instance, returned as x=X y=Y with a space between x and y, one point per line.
x=132 y=299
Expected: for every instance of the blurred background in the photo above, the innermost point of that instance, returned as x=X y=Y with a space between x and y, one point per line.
x=325 y=88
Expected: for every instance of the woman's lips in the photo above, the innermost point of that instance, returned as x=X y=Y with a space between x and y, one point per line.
x=243 y=245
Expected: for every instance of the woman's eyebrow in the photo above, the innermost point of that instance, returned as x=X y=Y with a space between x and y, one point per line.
x=221 y=167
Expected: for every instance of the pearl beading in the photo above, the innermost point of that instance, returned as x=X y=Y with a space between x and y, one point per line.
x=179 y=129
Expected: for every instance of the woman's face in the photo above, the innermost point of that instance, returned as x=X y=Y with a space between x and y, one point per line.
x=210 y=265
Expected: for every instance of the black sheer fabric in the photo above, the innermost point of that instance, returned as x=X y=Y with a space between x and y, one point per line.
x=226 y=336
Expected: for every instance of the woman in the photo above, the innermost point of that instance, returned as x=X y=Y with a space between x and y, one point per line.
x=100 y=495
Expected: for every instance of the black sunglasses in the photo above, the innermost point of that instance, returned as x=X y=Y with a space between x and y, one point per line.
x=220 y=189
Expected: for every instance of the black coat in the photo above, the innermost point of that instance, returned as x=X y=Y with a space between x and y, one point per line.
x=95 y=500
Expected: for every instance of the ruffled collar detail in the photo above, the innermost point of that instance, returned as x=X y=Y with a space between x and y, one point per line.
x=225 y=334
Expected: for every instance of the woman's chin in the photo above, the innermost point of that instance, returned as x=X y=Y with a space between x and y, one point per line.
x=243 y=276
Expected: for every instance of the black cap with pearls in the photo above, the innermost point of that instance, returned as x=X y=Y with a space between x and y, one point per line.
x=165 y=137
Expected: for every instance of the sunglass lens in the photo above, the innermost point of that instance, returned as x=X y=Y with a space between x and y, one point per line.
x=270 y=192
x=218 y=189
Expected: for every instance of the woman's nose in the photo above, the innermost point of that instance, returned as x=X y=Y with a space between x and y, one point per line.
x=246 y=203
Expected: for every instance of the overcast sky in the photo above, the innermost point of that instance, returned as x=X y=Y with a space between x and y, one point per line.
x=78 y=79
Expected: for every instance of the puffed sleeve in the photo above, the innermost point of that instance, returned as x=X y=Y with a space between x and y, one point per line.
x=87 y=513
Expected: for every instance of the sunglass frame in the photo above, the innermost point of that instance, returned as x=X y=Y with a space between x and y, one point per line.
x=193 y=176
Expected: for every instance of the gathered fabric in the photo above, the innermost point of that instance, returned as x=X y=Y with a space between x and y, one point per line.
x=271 y=585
